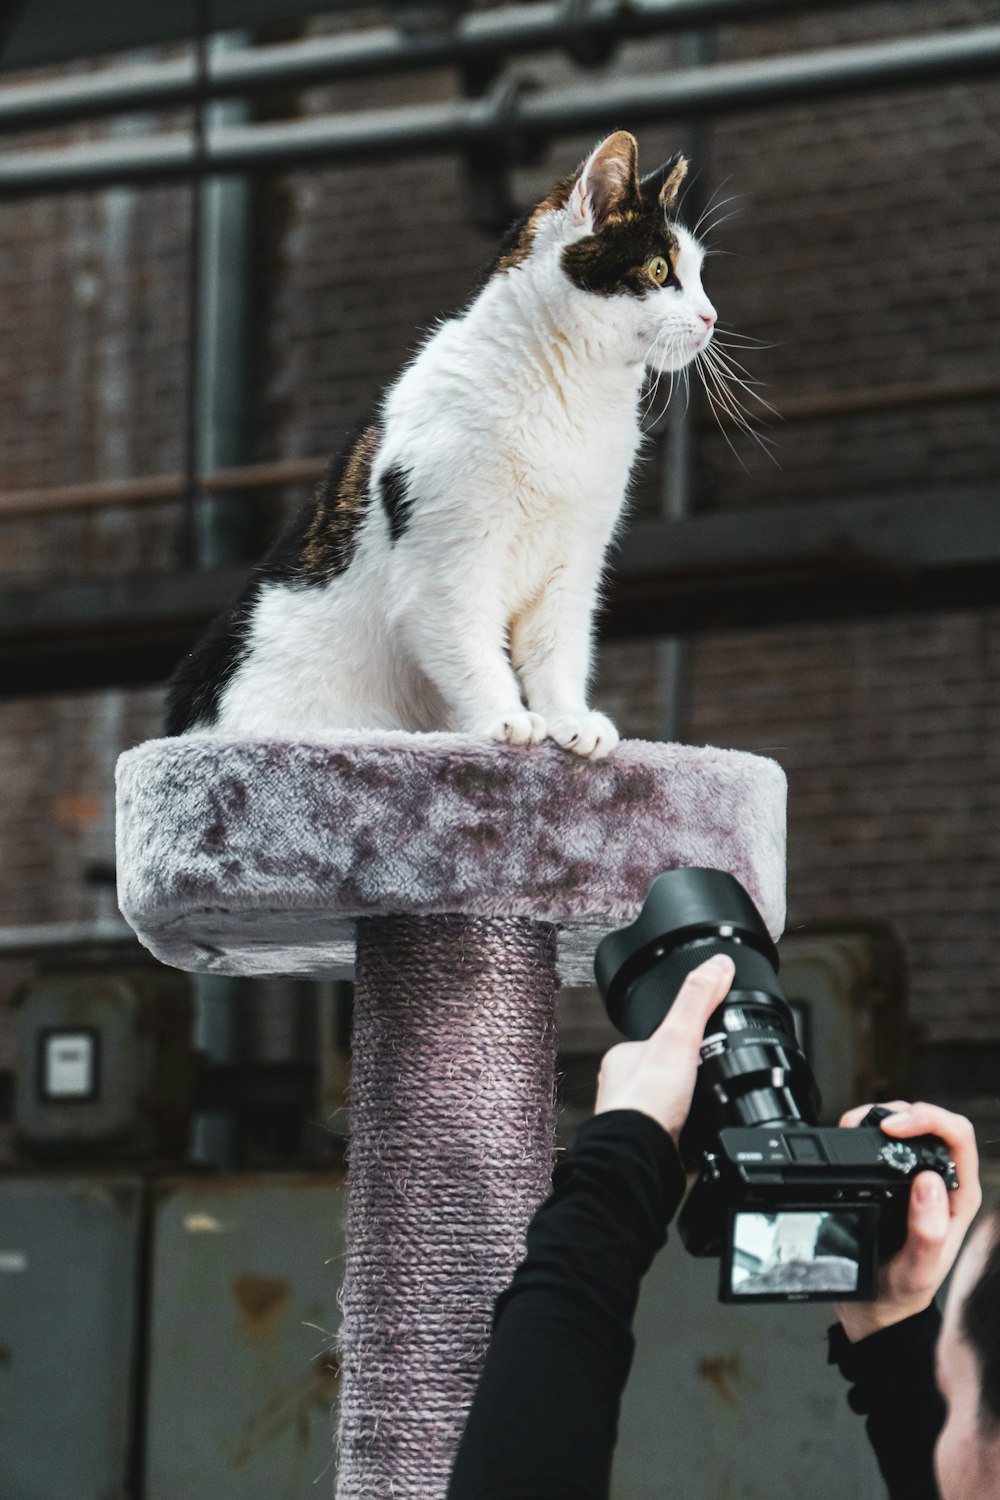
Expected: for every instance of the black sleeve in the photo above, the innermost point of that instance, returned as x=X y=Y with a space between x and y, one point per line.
x=544 y=1418
x=893 y=1385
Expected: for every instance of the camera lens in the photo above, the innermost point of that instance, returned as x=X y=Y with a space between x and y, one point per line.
x=752 y=1070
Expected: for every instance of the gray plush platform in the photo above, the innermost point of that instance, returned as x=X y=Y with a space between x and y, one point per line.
x=254 y=857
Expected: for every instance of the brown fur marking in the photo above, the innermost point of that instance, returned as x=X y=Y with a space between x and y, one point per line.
x=332 y=536
x=522 y=236
x=672 y=186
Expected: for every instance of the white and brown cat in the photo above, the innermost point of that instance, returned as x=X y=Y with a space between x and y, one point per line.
x=445 y=574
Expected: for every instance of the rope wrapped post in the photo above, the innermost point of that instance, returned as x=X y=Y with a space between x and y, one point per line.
x=467 y=875
x=452 y=1134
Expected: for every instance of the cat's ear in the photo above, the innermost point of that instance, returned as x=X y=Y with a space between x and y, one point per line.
x=608 y=181
x=663 y=185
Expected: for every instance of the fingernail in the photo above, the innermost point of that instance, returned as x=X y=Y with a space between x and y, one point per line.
x=925 y=1187
x=900 y=1119
x=720 y=961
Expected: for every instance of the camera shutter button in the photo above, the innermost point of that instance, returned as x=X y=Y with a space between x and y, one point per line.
x=900 y=1156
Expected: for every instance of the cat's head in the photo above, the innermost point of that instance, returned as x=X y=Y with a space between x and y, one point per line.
x=608 y=242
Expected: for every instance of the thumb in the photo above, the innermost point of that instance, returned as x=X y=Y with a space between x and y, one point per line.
x=928 y=1222
x=702 y=992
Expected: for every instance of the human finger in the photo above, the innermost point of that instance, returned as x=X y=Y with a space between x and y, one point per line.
x=703 y=990
x=856 y=1115
x=923 y=1260
x=959 y=1136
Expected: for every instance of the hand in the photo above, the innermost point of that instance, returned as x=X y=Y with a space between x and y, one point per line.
x=657 y=1076
x=937 y=1221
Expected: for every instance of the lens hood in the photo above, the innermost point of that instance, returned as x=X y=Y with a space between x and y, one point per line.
x=680 y=905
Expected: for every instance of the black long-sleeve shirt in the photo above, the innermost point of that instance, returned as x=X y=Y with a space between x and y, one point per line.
x=544 y=1419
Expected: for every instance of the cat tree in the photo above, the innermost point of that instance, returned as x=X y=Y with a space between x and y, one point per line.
x=457 y=880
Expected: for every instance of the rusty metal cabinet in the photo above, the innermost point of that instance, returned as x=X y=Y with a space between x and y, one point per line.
x=242 y=1387
x=69 y=1270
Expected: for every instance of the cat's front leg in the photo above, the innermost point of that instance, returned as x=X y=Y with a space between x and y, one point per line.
x=457 y=635
x=551 y=650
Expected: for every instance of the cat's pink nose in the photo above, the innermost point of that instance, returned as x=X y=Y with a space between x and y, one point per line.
x=708 y=317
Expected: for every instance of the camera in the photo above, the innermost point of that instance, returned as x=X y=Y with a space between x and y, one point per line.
x=795 y=1211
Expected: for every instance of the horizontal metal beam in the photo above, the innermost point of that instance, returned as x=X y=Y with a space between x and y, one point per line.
x=157 y=489
x=810 y=561
x=832 y=560
x=508 y=31
x=42 y=32
x=510 y=113
x=60 y=937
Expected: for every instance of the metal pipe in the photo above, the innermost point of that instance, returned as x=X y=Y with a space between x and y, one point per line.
x=158 y=489
x=674 y=653
x=224 y=531
x=511 y=112
x=62 y=937
x=508 y=31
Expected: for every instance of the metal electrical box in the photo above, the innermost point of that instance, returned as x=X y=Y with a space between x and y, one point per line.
x=105 y=1064
x=69 y=1269
x=242 y=1385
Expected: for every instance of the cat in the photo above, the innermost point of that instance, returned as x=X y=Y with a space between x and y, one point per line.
x=445 y=574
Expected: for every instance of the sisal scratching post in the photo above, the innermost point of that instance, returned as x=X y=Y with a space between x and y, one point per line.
x=452 y=1132
x=463 y=877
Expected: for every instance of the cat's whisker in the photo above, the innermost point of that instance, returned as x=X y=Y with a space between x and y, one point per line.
x=732 y=374
x=717 y=223
x=746 y=338
x=662 y=345
x=724 y=406
x=747 y=385
x=722 y=342
x=715 y=412
x=711 y=205
x=693 y=177
x=681 y=371
x=651 y=395
x=732 y=353
x=728 y=399
x=737 y=413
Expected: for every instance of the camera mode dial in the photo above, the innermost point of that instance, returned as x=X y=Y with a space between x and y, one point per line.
x=897 y=1154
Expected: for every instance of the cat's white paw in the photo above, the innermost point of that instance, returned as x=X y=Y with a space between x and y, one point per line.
x=591 y=735
x=518 y=729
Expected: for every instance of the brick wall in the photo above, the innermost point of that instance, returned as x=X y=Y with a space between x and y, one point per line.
x=865 y=250
x=888 y=733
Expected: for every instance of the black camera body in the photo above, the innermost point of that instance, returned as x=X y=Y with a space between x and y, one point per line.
x=796 y=1211
x=846 y=1189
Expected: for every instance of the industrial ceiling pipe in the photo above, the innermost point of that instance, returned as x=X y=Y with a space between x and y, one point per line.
x=510 y=114
x=574 y=25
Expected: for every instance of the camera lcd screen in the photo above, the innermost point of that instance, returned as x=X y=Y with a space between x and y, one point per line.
x=801 y=1255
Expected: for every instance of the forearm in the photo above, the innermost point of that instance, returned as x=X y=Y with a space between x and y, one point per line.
x=544 y=1419
x=893 y=1386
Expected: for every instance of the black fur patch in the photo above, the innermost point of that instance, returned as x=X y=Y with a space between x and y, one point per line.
x=396 y=500
x=614 y=259
x=318 y=543
x=195 y=689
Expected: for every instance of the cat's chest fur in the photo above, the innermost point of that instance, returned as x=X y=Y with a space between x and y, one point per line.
x=520 y=447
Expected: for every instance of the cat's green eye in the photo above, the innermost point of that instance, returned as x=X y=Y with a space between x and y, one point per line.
x=658 y=270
